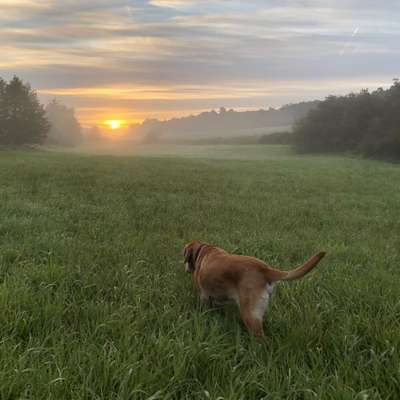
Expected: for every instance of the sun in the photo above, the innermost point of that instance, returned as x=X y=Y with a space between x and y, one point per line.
x=114 y=123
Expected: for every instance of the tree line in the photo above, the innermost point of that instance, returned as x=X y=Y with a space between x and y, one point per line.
x=223 y=124
x=365 y=123
x=24 y=121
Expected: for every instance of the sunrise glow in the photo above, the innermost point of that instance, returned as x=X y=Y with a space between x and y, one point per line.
x=160 y=59
x=114 y=123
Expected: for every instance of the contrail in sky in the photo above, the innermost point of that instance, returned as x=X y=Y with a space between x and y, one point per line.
x=348 y=44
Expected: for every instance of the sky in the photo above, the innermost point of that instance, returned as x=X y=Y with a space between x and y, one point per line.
x=138 y=59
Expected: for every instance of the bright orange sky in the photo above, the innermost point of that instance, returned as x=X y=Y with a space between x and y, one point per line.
x=138 y=59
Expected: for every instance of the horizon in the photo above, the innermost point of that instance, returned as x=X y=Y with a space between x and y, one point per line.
x=129 y=61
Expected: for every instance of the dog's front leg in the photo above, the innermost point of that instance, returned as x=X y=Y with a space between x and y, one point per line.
x=205 y=298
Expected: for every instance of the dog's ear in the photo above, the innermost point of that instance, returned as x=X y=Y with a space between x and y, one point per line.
x=190 y=254
x=186 y=253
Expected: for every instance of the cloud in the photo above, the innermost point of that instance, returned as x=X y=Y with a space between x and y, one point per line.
x=213 y=46
x=172 y=3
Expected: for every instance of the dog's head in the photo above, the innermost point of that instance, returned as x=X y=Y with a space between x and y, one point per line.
x=191 y=253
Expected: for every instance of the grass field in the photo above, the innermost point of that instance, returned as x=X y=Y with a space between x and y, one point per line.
x=95 y=304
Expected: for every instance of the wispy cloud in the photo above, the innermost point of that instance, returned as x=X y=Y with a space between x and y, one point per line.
x=173 y=3
x=183 y=55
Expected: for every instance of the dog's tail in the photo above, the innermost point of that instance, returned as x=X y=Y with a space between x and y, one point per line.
x=299 y=272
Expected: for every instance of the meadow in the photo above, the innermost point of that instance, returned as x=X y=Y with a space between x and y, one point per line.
x=95 y=303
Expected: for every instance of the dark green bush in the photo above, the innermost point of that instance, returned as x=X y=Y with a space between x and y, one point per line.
x=276 y=138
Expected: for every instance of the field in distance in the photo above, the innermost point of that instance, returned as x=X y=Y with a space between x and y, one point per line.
x=95 y=303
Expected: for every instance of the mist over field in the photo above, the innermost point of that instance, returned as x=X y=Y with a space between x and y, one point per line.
x=269 y=129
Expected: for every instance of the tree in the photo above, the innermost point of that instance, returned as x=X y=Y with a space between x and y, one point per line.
x=364 y=123
x=22 y=117
x=64 y=127
x=3 y=111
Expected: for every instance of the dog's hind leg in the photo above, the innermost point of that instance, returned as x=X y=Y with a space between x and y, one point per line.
x=252 y=310
x=254 y=325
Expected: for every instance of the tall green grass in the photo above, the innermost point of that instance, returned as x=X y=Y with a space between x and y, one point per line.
x=95 y=304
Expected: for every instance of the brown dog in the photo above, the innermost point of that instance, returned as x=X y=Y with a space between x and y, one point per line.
x=247 y=281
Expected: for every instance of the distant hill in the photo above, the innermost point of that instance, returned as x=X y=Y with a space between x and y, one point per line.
x=222 y=124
